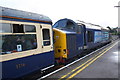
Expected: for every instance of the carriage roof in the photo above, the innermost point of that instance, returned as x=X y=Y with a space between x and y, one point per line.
x=13 y=14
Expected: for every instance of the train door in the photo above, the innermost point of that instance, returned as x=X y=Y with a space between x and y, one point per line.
x=84 y=36
x=47 y=44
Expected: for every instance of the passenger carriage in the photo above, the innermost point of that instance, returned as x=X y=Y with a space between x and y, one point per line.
x=26 y=42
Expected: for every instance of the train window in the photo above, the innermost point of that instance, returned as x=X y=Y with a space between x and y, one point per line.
x=70 y=25
x=56 y=25
x=60 y=24
x=65 y=25
x=79 y=29
x=46 y=37
x=18 y=28
x=5 y=28
x=90 y=36
x=30 y=28
x=17 y=43
x=105 y=35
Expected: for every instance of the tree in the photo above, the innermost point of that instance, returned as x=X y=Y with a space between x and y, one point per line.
x=109 y=28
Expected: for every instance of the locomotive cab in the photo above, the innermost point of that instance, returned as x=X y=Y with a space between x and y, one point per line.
x=68 y=40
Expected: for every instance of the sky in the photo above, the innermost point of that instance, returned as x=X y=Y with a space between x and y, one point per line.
x=100 y=12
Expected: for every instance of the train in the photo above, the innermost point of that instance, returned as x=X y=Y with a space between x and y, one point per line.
x=74 y=37
x=29 y=41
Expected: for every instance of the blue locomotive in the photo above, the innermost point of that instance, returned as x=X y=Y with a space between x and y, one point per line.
x=74 y=37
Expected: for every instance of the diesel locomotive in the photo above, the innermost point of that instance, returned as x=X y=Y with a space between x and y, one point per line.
x=71 y=38
x=27 y=40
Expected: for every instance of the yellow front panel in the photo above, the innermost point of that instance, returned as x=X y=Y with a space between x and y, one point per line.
x=60 y=44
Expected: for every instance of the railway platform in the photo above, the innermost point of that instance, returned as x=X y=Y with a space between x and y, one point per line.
x=100 y=65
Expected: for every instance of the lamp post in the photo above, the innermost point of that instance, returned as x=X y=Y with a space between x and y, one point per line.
x=118 y=28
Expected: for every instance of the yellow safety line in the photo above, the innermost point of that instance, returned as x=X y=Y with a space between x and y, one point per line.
x=89 y=63
x=74 y=69
x=80 y=65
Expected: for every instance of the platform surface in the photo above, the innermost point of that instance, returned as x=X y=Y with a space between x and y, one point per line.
x=103 y=64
